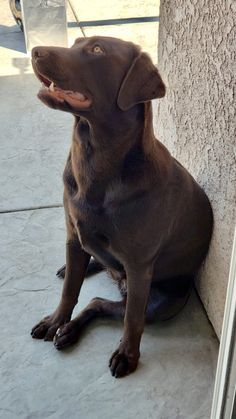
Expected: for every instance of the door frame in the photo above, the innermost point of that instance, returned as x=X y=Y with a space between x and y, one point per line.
x=224 y=398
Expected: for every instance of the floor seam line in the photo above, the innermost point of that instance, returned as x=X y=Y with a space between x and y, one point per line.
x=31 y=208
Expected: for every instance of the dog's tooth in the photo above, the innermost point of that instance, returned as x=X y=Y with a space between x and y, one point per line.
x=51 y=87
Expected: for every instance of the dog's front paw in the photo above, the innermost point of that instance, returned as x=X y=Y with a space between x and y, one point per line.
x=47 y=327
x=123 y=362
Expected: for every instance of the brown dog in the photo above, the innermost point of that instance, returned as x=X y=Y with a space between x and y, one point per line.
x=128 y=203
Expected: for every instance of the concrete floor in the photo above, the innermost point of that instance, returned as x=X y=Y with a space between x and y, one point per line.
x=176 y=373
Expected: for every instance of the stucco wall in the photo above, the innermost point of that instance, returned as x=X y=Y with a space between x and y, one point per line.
x=196 y=120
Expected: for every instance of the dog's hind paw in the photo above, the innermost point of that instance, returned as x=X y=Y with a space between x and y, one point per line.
x=66 y=335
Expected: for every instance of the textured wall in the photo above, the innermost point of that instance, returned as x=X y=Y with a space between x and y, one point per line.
x=196 y=120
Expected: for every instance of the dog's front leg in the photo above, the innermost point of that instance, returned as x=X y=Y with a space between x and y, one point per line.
x=76 y=264
x=125 y=359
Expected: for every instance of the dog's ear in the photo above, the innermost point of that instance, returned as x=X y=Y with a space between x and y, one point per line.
x=141 y=84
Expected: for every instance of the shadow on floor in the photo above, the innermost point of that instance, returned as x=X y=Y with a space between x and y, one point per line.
x=9 y=39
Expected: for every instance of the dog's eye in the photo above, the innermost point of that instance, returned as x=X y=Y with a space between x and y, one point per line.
x=97 y=49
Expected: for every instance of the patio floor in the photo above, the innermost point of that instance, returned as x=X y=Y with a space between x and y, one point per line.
x=176 y=373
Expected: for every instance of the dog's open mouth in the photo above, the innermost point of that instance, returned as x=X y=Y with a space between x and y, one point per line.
x=50 y=90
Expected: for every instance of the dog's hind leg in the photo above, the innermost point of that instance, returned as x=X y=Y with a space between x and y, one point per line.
x=166 y=299
x=94 y=267
x=69 y=333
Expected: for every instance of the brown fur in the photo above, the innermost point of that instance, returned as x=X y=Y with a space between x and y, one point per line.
x=128 y=202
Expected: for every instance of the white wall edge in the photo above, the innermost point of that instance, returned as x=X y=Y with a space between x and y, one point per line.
x=225 y=382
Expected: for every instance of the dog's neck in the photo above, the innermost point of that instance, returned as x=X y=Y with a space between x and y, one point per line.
x=102 y=149
x=115 y=132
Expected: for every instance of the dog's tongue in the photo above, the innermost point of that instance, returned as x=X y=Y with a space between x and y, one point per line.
x=75 y=95
x=55 y=96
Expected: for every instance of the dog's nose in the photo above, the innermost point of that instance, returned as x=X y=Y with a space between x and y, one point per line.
x=39 y=52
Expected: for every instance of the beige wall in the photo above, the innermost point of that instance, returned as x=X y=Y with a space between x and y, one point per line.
x=196 y=120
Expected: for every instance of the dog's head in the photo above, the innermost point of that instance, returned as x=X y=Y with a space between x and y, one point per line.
x=96 y=73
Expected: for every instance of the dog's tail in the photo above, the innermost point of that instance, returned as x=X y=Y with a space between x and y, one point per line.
x=93 y=268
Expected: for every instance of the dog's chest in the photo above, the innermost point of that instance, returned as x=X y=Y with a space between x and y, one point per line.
x=99 y=209
x=93 y=223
